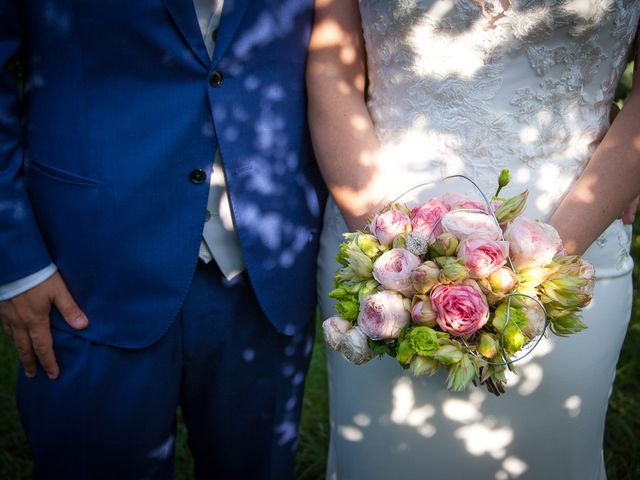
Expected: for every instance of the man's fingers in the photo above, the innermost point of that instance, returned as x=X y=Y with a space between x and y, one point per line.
x=69 y=309
x=43 y=348
x=22 y=342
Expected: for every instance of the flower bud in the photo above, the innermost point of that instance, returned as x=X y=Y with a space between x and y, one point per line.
x=488 y=346
x=445 y=245
x=421 y=311
x=532 y=277
x=448 y=354
x=514 y=339
x=504 y=178
x=461 y=374
x=566 y=325
x=505 y=315
x=348 y=309
x=502 y=281
x=366 y=288
x=425 y=277
x=358 y=266
x=399 y=242
x=369 y=245
x=453 y=271
x=512 y=207
x=423 y=366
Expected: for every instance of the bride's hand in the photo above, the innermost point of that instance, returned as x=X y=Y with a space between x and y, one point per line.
x=629 y=214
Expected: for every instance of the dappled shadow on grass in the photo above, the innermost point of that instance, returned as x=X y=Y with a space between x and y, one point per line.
x=15 y=456
x=314 y=427
x=622 y=434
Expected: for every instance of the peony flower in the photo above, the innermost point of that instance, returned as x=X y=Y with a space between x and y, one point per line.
x=464 y=224
x=532 y=244
x=460 y=309
x=425 y=218
x=334 y=329
x=388 y=225
x=456 y=201
x=502 y=280
x=425 y=277
x=383 y=315
x=355 y=346
x=422 y=313
x=483 y=256
x=393 y=270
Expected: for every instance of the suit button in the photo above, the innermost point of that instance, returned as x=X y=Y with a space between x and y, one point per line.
x=216 y=79
x=198 y=176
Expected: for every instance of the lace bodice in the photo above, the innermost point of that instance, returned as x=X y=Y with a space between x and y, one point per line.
x=474 y=86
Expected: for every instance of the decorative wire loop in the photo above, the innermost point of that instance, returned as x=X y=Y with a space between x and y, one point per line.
x=532 y=343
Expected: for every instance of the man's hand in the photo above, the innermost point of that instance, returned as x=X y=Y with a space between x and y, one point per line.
x=25 y=319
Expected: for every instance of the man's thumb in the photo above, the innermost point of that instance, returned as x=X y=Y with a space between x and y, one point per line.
x=69 y=309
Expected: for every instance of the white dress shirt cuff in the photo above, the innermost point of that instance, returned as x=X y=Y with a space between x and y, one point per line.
x=13 y=289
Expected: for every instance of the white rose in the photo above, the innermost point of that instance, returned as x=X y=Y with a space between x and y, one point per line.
x=334 y=329
x=354 y=346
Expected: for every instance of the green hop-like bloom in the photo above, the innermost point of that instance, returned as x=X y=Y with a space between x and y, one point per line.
x=348 y=309
x=423 y=341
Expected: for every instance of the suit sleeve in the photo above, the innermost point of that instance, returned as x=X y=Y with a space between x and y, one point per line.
x=22 y=249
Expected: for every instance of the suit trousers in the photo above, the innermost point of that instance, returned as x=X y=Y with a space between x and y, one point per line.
x=112 y=412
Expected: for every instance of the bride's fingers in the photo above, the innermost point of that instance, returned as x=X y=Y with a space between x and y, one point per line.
x=629 y=214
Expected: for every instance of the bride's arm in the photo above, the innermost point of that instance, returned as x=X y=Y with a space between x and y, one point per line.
x=608 y=184
x=341 y=129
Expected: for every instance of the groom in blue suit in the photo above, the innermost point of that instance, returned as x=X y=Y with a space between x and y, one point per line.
x=159 y=215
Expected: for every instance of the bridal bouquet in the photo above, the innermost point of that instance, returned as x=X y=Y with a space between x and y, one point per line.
x=456 y=283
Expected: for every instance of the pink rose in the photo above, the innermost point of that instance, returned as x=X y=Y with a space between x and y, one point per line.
x=532 y=243
x=460 y=309
x=383 y=315
x=483 y=256
x=455 y=201
x=426 y=217
x=388 y=225
x=463 y=224
x=393 y=270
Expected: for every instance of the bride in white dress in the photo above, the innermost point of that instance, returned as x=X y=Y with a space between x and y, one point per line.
x=471 y=87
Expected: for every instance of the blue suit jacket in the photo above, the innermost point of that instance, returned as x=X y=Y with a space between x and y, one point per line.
x=120 y=106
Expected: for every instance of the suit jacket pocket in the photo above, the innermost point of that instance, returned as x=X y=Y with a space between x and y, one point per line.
x=64 y=176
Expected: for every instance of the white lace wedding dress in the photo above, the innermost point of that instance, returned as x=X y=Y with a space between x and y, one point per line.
x=471 y=87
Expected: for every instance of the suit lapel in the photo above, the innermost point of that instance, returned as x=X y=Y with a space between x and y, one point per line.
x=184 y=15
x=232 y=13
